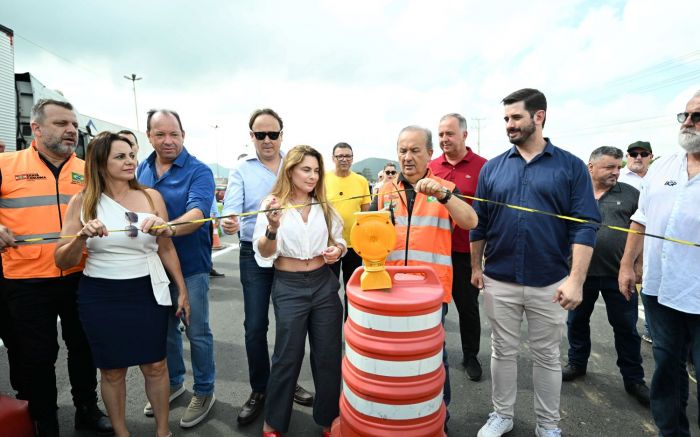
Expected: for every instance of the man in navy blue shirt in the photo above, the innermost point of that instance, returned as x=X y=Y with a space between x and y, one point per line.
x=187 y=186
x=526 y=269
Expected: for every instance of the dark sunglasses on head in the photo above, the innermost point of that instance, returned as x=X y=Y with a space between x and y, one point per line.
x=683 y=116
x=635 y=154
x=390 y=172
x=131 y=230
x=272 y=135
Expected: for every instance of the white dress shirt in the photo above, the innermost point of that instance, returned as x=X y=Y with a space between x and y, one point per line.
x=630 y=178
x=296 y=239
x=669 y=205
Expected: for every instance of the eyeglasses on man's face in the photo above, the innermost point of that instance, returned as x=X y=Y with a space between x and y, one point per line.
x=642 y=154
x=343 y=157
x=683 y=116
x=270 y=134
x=390 y=172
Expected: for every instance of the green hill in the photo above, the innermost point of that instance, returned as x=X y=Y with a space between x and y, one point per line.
x=369 y=167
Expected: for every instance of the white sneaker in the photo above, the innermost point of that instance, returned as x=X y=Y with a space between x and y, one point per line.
x=544 y=432
x=174 y=393
x=197 y=410
x=496 y=426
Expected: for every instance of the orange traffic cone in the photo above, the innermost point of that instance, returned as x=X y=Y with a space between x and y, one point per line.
x=216 y=242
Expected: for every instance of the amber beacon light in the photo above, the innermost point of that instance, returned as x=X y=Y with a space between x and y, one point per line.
x=373 y=238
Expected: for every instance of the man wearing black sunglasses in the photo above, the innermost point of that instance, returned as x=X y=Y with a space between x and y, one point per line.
x=250 y=180
x=639 y=157
x=669 y=204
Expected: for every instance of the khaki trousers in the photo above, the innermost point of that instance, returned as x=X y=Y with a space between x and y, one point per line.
x=505 y=303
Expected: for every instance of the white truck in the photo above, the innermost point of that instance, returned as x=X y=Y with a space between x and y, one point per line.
x=20 y=91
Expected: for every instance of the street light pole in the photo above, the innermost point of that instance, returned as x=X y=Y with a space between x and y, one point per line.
x=133 y=80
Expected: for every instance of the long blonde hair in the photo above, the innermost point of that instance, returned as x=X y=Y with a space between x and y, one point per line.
x=95 y=168
x=284 y=189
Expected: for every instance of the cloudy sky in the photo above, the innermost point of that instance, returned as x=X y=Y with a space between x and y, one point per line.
x=358 y=71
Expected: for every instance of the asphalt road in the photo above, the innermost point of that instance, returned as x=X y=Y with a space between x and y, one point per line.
x=596 y=405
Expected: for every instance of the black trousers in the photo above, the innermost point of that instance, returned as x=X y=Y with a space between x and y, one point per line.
x=466 y=300
x=305 y=302
x=34 y=306
x=349 y=263
x=7 y=336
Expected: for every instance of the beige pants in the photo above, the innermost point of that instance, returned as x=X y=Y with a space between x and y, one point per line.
x=505 y=304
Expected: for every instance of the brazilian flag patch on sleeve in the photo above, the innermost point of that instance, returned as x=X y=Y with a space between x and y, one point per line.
x=77 y=178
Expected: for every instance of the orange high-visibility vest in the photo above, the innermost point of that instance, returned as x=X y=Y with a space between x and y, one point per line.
x=426 y=238
x=32 y=204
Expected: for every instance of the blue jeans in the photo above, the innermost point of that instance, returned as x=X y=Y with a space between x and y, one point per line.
x=622 y=316
x=446 y=391
x=675 y=333
x=257 y=284
x=199 y=335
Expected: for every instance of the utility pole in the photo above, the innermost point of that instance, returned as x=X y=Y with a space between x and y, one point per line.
x=478 y=134
x=216 y=148
x=133 y=80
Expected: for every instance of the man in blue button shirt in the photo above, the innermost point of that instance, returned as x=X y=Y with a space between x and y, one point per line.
x=187 y=186
x=250 y=180
x=527 y=257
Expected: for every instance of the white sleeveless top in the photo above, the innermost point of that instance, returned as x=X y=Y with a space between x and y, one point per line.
x=119 y=256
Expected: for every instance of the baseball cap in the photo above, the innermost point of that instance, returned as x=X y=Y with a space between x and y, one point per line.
x=640 y=145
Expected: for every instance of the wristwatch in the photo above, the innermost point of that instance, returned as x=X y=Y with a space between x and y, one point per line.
x=448 y=195
x=270 y=235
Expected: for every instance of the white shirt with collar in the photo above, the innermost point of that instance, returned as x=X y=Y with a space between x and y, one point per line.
x=296 y=239
x=669 y=205
x=630 y=178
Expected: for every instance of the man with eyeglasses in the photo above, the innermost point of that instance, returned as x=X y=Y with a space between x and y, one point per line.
x=349 y=193
x=461 y=166
x=639 y=157
x=187 y=186
x=250 y=180
x=669 y=205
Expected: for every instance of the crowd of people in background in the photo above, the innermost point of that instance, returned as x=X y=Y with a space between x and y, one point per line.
x=119 y=251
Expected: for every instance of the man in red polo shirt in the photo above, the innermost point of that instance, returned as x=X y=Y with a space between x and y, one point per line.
x=458 y=164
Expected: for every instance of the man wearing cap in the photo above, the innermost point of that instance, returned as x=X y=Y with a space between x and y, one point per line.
x=639 y=157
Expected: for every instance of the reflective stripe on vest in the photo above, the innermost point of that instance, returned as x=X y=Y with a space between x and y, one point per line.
x=422 y=256
x=418 y=220
x=32 y=236
x=26 y=202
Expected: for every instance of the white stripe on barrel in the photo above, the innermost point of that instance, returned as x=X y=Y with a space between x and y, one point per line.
x=392 y=411
x=393 y=368
x=395 y=323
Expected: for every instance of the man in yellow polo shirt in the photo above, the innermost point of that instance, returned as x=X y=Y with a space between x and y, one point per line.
x=343 y=184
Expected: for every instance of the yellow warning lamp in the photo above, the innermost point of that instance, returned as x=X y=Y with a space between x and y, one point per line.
x=373 y=238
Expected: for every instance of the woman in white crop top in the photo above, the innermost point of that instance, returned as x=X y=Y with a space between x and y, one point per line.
x=301 y=239
x=123 y=297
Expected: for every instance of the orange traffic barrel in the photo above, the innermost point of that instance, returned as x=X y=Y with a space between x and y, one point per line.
x=393 y=375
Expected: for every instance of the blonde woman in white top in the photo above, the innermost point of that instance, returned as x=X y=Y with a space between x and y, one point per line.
x=300 y=243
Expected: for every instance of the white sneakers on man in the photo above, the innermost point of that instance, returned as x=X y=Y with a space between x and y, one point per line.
x=545 y=432
x=496 y=426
